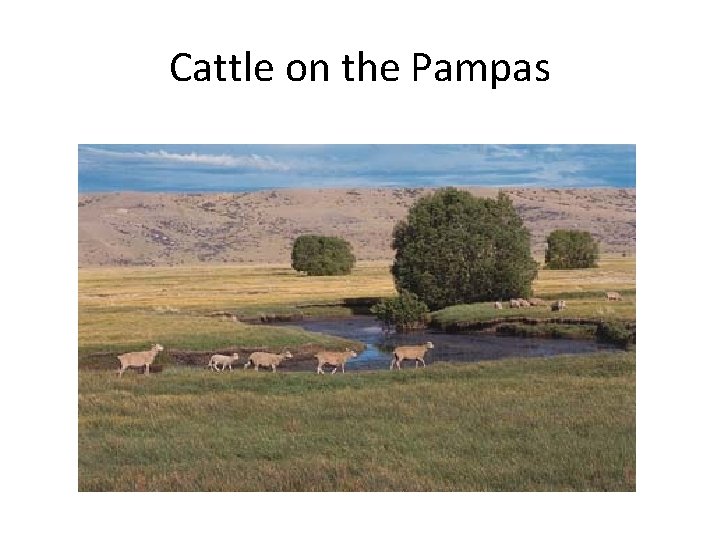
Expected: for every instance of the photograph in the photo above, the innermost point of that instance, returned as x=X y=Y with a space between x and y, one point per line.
x=356 y=317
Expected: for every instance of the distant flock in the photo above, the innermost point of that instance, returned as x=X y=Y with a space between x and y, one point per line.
x=335 y=359
x=557 y=305
x=517 y=303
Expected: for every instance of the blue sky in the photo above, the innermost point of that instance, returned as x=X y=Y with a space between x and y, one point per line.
x=238 y=167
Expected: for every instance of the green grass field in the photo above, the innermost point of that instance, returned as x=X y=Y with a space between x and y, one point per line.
x=566 y=423
x=545 y=424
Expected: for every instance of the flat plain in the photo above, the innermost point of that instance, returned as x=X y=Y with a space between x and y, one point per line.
x=121 y=308
x=193 y=271
x=563 y=423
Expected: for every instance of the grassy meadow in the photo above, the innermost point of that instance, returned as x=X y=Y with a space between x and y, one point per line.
x=125 y=308
x=122 y=309
x=566 y=423
x=559 y=424
x=582 y=306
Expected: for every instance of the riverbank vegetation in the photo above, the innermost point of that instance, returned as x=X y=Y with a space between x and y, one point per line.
x=566 y=423
x=192 y=308
x=584 y=291
x=403 y=312
x=580 y=307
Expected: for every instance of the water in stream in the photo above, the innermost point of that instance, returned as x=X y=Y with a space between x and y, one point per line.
x=448 y=347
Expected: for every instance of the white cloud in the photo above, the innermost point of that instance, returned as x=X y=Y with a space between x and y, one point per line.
x=501 y=151
x=254 y=166
x=251 y=161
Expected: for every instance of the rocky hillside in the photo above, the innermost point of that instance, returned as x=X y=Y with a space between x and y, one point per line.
x=133 y=228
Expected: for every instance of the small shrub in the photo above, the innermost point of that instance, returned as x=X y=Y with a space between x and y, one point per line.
x=616 y=332
x=404 y=312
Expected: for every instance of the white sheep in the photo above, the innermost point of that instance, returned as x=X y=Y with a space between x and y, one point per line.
x=216 y=359
x=335 y=359
x=414 y=352
x=260 y=358
x=137 y=359
x=498 y=305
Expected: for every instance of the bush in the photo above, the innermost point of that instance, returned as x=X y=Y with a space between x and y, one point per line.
x=617 y=333
x=570 y=249
x=455 y=248
x=322 y=255
x=404 y=312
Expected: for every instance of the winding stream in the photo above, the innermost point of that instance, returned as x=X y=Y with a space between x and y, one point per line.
x=448 y=347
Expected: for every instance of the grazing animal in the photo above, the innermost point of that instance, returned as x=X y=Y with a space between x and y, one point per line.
x=413 y=352
x=335 y=359
x=216 y=359
x=137 y=359
x=557 y=305
x=514 y=303
x=613 y=296
x=523 y=302
x=536 y=302
x=498 y=305
x=267 y=359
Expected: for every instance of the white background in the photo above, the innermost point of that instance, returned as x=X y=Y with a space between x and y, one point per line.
x=621 y=72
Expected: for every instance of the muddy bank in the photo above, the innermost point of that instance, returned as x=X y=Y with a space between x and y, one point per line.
x=303 y=358
x=465 y=326
x=547 y=331
x=347 y=307
x=620 y=333
x=269 y=318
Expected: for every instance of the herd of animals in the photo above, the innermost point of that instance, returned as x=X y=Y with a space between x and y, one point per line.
x=557 y=305
x=335 y=359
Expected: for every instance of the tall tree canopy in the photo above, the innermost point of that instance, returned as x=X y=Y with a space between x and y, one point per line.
x=455 y=248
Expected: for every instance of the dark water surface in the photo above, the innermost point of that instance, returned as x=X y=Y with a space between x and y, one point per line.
x=448 y=347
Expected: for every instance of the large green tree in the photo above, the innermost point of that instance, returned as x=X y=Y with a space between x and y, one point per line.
x=322 y=255
x=455 y=248
x=570 y=249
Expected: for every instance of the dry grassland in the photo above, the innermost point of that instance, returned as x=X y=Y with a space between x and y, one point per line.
x=122 y=307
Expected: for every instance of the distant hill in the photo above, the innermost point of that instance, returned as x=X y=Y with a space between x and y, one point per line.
x=133 y=228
